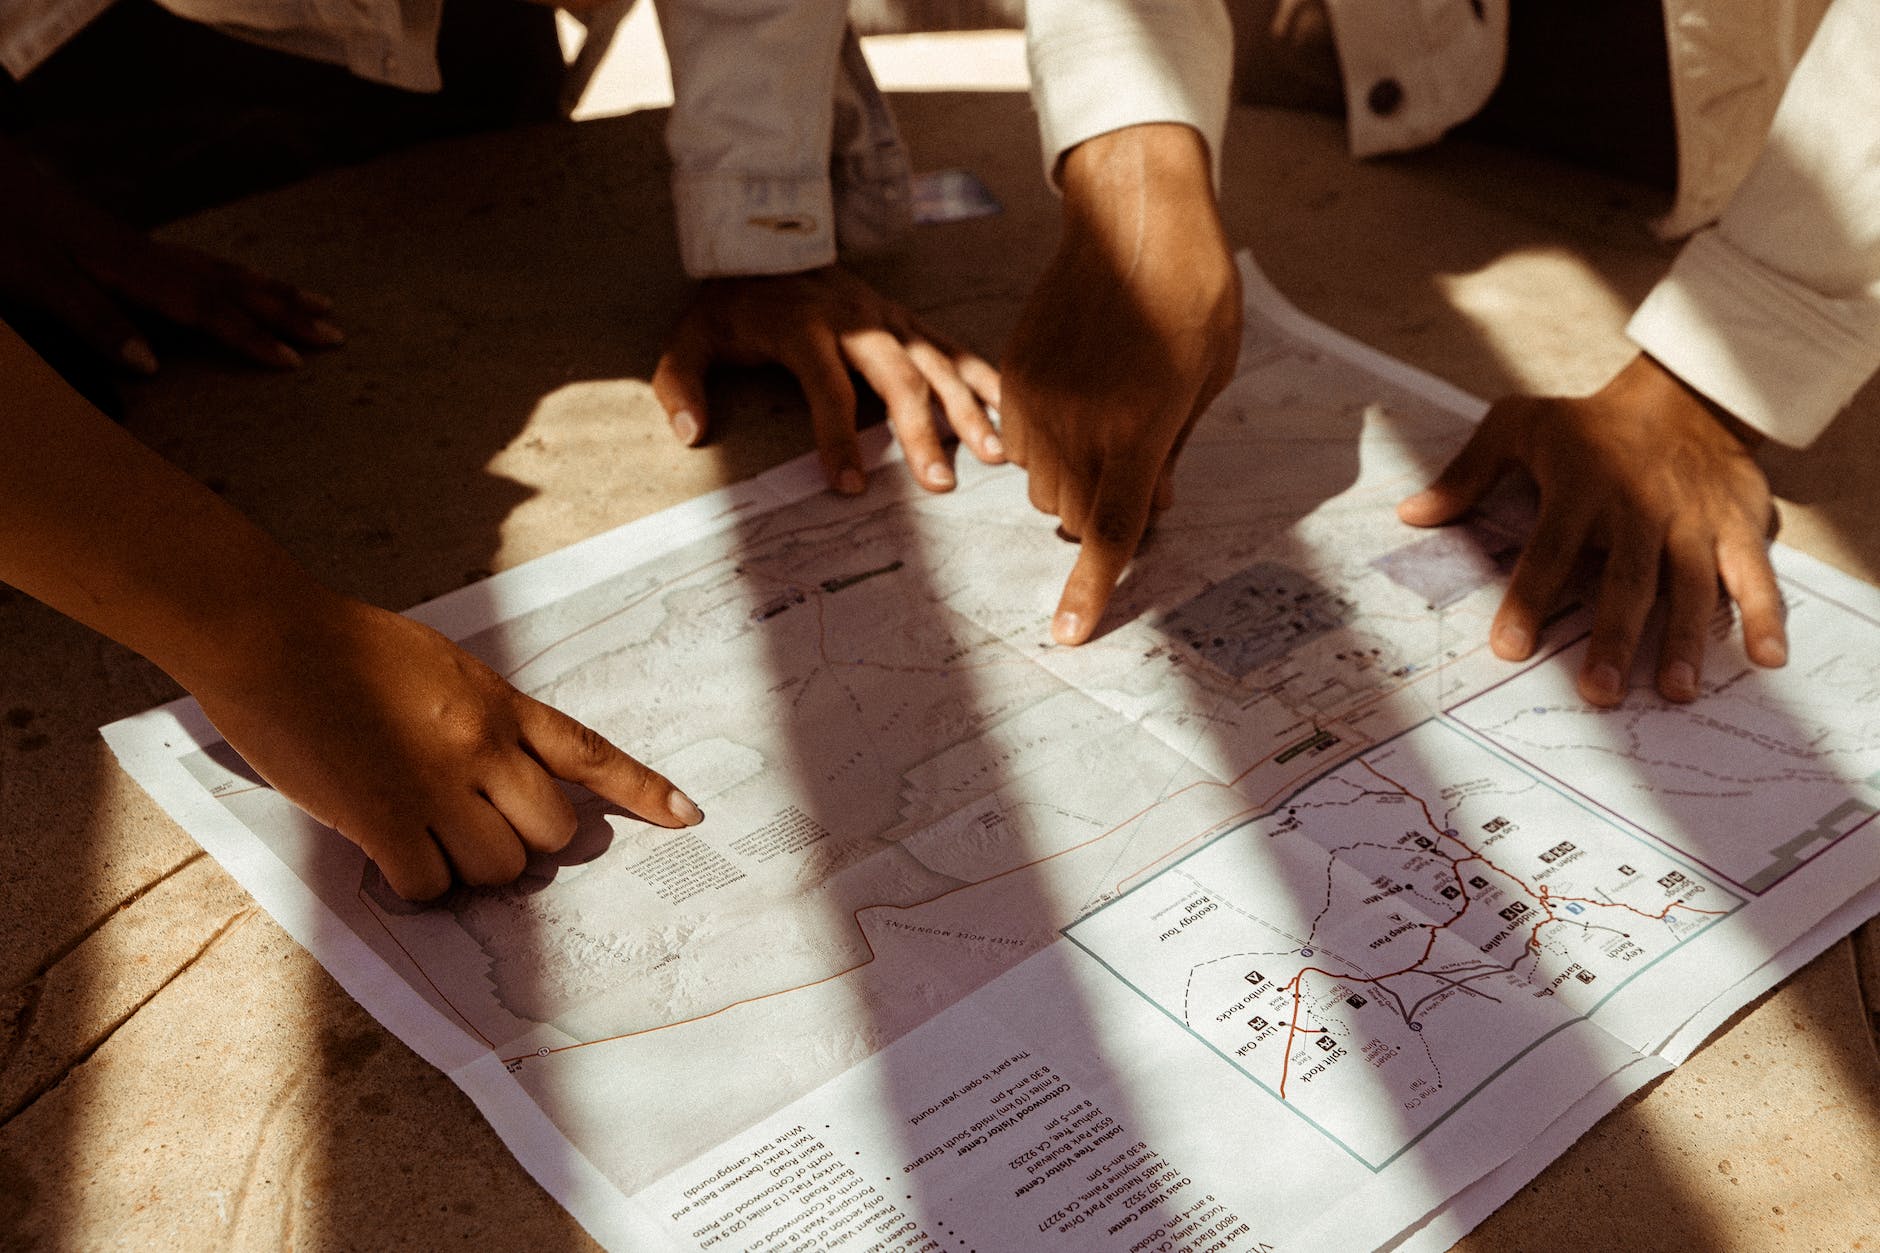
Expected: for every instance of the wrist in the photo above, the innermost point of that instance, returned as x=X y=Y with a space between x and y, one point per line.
x=1649 y=381
x=1126 y=188
x=1168 y=159
x=246 y=627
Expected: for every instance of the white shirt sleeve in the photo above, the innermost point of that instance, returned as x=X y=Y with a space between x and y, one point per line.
x=782 y=148
x=1413 y=70
x=1774 y=313
x=1100 y=65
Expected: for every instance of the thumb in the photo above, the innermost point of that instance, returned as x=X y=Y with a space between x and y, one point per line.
x=1469 y=475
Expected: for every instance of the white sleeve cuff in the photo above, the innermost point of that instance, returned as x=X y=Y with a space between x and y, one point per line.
x=1777 y=354
x=1099 y=67
x=750 y=224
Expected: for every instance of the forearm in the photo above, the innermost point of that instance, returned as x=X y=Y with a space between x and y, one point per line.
x=374 y=724
x=102 y=529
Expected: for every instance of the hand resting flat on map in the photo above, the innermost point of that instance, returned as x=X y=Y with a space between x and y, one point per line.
x=1661 y=480
x=374 y=724
x=66 y=260
x=819 y=325
x=1132 y=331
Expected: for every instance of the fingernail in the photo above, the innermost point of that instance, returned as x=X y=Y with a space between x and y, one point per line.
x=1512 y=642
x=1769 y=651
x=287 y=357
x=324 y=332
x=1681 y=680
x=686 y=427
x=850 y=482
x=137 y=355
x=314 y=302
x=1067 y=627
x=993 y=446
x=938 y=475
x=683 y=809
x=1605 y=682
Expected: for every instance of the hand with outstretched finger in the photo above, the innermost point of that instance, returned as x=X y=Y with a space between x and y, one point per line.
x=1664 y=483
x=819 y=325
x=418 y=753
x=1133 y=329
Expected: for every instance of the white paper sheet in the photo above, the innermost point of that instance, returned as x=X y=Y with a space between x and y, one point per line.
x=1281 y=916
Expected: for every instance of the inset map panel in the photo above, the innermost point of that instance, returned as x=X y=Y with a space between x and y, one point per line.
x=1768 y=770
x=1399 y=932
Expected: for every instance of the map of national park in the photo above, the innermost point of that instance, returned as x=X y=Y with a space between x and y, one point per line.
x=1280 y=901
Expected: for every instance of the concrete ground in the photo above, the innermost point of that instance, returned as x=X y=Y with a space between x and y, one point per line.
x=176 y=1073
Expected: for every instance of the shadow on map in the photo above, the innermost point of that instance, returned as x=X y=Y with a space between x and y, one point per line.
x=357 y=1093
x=904 y=697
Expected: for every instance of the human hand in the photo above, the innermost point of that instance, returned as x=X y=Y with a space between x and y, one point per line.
x=1133 y=330
x=819 y=325
x=372 y=723
x=1649 y=471
x=69 y=261
x=418 y=753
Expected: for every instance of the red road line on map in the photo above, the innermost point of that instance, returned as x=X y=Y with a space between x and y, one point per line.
x=419 y=967
x=856 y=916
x=1343 y=722
x=1296 y=984
x=1202 y=835
x=822 y=649
x=1257 y=807
x=859 y=910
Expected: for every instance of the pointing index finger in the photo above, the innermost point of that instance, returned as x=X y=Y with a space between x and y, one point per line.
x=1113 y=532
x=581 y=755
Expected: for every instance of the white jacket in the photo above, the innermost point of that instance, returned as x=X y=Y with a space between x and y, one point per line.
x=1774 y=312
x=785 y=154
x=783 y=148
